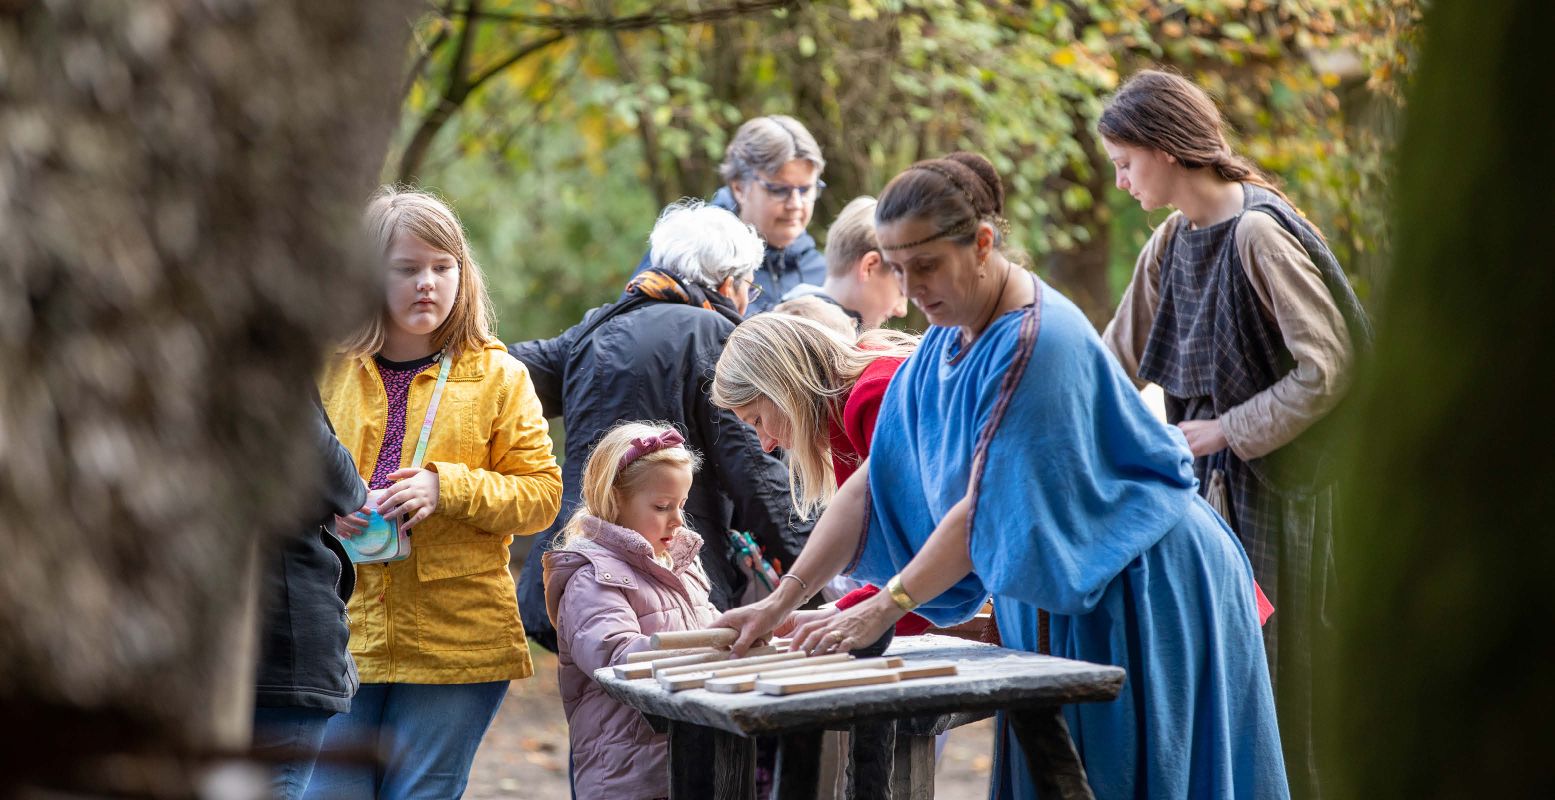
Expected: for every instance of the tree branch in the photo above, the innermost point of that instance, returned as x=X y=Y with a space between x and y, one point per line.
x=513 y=58
x=424 y=57
x=650 y=19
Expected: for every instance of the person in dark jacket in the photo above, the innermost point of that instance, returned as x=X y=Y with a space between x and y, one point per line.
x=772 y=177
x=650 y=355
x=305 y=674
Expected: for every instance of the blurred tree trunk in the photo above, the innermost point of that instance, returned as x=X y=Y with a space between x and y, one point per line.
x=180 y=184
x=1445 y=665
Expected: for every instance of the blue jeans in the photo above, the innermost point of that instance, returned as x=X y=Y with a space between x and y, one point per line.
x=288 y=739
x=425 y=737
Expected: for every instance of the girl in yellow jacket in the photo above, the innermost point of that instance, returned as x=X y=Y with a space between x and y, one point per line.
x=436 y=636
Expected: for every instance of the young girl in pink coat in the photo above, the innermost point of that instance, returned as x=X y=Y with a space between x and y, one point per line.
x=624 y=568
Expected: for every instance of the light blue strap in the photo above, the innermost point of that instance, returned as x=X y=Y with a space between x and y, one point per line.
x=437 y=397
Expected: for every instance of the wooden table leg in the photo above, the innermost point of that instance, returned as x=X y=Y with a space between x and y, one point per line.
x=1050 y=753
x=798 y=766
x=869 y=770
x=731 y=775
x=912 y=776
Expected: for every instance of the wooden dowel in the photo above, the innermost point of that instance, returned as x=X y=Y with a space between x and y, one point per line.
x=926 y=669
x=680 y=678
x=747 y=682
x=721 y=671
x=646 y=669
x=655 y=655
x=863 y=677
x=733 y=662
x=708 y=637
x=815 y=683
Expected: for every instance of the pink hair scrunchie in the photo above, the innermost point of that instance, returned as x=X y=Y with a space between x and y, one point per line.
x=643 y=445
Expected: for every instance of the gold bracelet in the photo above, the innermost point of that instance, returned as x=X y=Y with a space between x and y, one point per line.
x=899 y=595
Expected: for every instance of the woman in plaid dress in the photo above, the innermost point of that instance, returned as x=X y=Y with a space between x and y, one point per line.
x=1239 y=311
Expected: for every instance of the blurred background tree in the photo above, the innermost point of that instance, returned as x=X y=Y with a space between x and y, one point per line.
x=558 y=129
x=180 y=185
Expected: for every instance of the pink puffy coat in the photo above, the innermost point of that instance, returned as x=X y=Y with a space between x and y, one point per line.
x=606 y=595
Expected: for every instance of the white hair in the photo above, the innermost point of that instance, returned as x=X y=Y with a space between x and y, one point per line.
x=704 y=244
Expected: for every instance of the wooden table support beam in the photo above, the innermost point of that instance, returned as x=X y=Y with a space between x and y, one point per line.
x=874 y=751
x=1050 y=753
x=912 y=777
x=798 y=766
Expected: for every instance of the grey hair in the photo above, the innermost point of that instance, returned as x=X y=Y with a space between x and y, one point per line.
x=704 y=244
x=765 y=144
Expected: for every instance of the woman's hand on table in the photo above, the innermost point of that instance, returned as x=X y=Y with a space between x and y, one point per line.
x=859 y=626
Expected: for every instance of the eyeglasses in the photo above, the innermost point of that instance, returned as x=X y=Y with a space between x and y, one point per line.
x=780 y=191
x=752 y=290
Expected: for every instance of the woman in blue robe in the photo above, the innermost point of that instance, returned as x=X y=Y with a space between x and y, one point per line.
x=1013 y=458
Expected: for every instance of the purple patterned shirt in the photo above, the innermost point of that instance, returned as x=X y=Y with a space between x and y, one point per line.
x=396 y=376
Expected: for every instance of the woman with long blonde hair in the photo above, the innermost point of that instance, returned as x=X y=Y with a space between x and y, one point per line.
x=810 y=391
x=816 y=394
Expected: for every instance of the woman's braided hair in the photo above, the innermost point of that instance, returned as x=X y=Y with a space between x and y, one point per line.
x=955 y=193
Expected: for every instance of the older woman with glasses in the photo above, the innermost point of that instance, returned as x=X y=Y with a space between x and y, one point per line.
x=772 y=177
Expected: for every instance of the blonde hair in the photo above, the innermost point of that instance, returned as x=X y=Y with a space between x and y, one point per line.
x=851 y=237
x=392 y=211
x=805 y=369
x=606 y=483
x=815 y=309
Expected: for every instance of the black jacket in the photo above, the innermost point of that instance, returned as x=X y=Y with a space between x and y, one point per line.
x=654 y=361
x=782 y=269
x=303 y=659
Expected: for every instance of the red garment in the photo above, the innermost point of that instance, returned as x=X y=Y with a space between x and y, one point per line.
x=850 y=440
x=850 y=446
x=1265 y=608
x=910 y=625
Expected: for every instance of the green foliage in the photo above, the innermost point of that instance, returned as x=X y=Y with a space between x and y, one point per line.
x=558 y=161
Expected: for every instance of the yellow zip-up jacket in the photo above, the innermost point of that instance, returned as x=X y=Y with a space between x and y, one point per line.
x=448 y=613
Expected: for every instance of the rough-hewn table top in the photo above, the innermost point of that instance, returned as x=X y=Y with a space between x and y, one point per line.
x=988 y=678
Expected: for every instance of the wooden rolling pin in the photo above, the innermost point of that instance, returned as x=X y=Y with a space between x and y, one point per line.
x=747 y=682
x=707 y=637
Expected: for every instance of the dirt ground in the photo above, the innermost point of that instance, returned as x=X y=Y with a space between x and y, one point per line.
x=524 y=755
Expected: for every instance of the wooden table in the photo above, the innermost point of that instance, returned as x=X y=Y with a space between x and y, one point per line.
x=713 y=754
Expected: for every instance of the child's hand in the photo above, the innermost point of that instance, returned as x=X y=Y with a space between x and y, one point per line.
x=352 y=524
x=413 y=497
